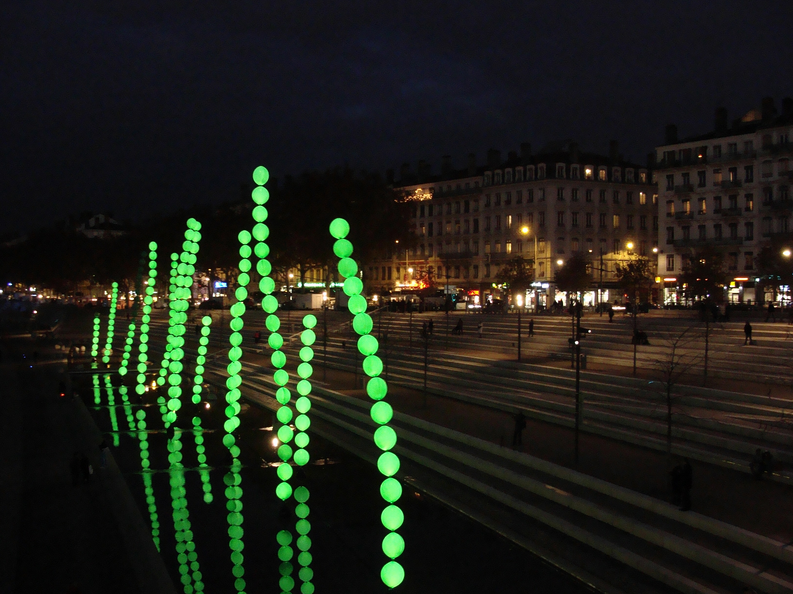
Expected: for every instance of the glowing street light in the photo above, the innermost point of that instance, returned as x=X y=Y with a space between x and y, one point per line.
x=786 y=253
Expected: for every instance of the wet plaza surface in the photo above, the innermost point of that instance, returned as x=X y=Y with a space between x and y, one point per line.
x=444 y=551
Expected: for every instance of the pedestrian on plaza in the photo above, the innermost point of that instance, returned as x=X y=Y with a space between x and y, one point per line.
x=103 y=450
x=480 y=328
x=458 y=329
x=430 y=326
x=531 y=327
x=747 y=331
x=520 y=425
x=771 y=312
x=86 y=468
x=198 y=329
x=611 y=315
x=257 y=336
x=686 y=480
x=74 y=468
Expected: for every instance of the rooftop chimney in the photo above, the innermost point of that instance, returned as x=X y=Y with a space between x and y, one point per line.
x=493 y=158
x=720 y=120
x=525 y=152
x=670 y=136
x=471 y=164
x=768 y=109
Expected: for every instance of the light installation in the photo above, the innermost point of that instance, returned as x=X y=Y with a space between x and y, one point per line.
x=381 y=412
x=122 y=370
x=166 y=357
x=95 y=339
x=111 y=408
x=198 y=381
x=111 y=321
x=143 y=348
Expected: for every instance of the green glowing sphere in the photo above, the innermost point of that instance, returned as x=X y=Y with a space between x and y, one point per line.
x=347 y=267
x=392 y=517
x=372 y=366
x=283 y=491
x=357 y=304
x=260 y=195
x=392 y=574
x=284 y=538
x=307 y=588
x=301 y=441
x=304 y=387
x=303 y=526
x=367 y=344
x=263 y=267
x=301 y=457
x=302 y=422
x=275 y=340
x=235 y=532
x=391 y=490
x=301 y=494
x=393 y=545
x=260 y=177
x=306 y=353
x=152 y=247
x=241 y=293
x=388 y=464
x=303 y=404
x=301 y=510
x=267 y=286
x=286 y=583
x=362 y=323
x=282 y=395
x=270 y=304
x=244 y=265
x=260 y=215
x=234 y=505
x=305 y=557
x=339 y=228
x=237 y=310
x=228 y=440
x=234 y=367
x=260 y=233
x=353 y=286
x=308 y=337
x=385 y=438
x=235 y=353
x=278 y=359
x=309 y=321
x=273 y=323
x=285 y=553
x=303 y=542
x=342 y=248
x=284 y=415
x=285 y=433
x=244 y=236
x=284 y=472
x=381 y=412
x=305 y=370
x=284 y=452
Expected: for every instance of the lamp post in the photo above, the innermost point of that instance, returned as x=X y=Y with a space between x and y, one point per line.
x=525 y=231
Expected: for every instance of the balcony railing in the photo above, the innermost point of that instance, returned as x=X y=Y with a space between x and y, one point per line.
x=731 y=184
x=731 y=212
x=684 y=216
x=684 y=189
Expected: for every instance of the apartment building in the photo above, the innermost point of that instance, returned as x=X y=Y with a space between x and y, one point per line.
x=726 y=190
x=466 y=224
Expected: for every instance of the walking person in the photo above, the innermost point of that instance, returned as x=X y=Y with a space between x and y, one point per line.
x=771 y=312
x=480 y=328
x=531 y=327
x=747 y=331
x=520 y=425
x=257 y=336
x=686 y=480
x=430 y=326
x=611 y=315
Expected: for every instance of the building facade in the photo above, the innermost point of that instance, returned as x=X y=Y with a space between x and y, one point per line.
x=545 y=207
x=726 y=190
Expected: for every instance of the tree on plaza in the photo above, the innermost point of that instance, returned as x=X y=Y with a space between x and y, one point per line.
x=573 y=276
x=773 y=267
x=703 y=275
x=517 y=274
x=633 y=277
x=302 y=209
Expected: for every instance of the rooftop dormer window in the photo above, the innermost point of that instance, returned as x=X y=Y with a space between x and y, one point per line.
x=560 y=170
x=616 y=174
x=541 y=171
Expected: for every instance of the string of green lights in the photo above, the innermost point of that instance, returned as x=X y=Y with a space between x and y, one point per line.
x=122 y=370
x=111 y=321
x=166 y=356
x=95 y=339
x=381 y=412
x=111 y=408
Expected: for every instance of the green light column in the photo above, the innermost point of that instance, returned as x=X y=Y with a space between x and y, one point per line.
x=95 y=340
x=111 y=322
x=166 y=356
x=381 y=412
x=122 y=370
x=198 y=381
x=143 y=348
x=111 y=408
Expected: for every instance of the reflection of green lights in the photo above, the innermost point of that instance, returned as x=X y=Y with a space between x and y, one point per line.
x=385 y=438
x=97 y=391
x=111 y=321
x=111 y=407
x=145 y=464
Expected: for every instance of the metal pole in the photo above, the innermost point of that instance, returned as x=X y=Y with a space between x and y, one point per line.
x=600 y=285
x=324 y=343
x=410 y=325
x=578 y=407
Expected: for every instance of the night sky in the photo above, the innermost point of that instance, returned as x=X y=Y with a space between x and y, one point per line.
x=138 y=107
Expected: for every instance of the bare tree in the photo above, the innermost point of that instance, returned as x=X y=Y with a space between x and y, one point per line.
x=679 y=358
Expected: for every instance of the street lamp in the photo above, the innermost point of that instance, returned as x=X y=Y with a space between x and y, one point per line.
x=524 y=230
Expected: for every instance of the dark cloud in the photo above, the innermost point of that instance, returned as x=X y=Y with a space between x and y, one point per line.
x=136 y=107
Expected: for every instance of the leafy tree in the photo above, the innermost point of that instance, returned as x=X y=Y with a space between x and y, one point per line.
x=635 y=277
x=773 y=267
x=516 y=274
x=704 y=275
x=573 y=277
